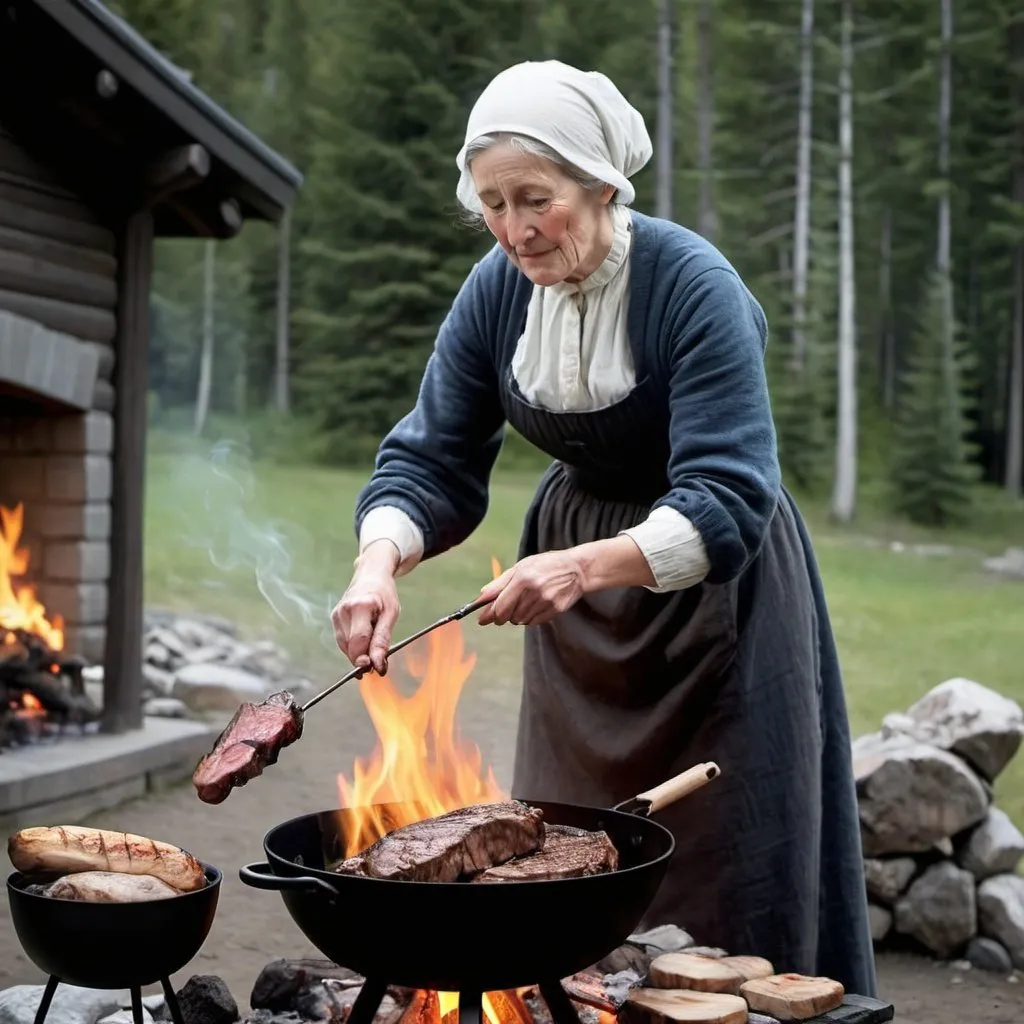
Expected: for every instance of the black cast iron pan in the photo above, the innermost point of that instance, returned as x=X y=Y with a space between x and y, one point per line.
x=459 y=937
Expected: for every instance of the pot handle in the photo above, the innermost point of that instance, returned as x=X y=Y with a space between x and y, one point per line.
x=669 y=792
x=260 y=876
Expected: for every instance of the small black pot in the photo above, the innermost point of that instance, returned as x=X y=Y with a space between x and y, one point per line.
x=112 y=945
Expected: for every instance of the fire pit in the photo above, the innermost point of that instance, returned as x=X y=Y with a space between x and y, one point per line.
x=112 y=945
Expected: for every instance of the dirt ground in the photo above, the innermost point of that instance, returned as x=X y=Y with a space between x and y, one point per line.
x=253 y=927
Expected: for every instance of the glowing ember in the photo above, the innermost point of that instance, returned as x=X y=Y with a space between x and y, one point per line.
x=19 y=608
x=30 y=706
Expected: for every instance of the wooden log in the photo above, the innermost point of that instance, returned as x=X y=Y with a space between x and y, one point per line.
x=679 y=1006
x=15 y=160
x=104 y=361
x=210 y=219
x=51 y=225
x=792 y=996
x=84 y=322
x=177 y=170
x=33 y=276
x=64 y=254
x=122 y=674
x=26 y=193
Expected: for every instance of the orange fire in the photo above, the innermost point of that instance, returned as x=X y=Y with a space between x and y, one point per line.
x=19 y=607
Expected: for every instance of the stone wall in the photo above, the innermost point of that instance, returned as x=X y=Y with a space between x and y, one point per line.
x=941 y=858
x=58 y=466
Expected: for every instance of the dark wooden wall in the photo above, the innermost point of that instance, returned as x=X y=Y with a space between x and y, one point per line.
x=57 y=262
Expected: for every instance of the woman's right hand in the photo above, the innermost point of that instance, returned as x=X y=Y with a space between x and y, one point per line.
x=365 y=617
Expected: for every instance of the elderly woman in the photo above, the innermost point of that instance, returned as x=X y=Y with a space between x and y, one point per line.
x=672 y=604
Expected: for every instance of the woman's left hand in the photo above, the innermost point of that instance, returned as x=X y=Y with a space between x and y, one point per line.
x=534 y=590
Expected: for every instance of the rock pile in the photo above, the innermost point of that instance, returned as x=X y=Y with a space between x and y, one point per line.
x=193 y=665
x=940 y=858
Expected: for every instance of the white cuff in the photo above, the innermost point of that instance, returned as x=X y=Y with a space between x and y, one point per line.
x=385 y=522
x=673 y=549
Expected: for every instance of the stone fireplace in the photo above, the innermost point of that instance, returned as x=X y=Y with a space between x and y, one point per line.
x=56 y=445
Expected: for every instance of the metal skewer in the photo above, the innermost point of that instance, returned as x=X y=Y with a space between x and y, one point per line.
x=357 y=673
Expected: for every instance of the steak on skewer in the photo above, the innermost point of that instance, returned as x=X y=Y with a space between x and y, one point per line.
x=252 y=740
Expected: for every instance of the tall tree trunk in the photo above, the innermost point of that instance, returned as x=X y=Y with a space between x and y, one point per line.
x=284 y=240
x=666 y=112
x=943 y=258
x=802 y=212
x=707 y=217
x=1013 y=478
x=886 y=331
x=844 y=494
x=206 y=356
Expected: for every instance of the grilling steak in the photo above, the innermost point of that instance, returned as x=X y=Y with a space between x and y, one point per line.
x=567 y=853
x=251 y=740
x=454 y=846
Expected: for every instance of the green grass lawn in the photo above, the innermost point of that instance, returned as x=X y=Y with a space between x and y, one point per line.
x=241 y=542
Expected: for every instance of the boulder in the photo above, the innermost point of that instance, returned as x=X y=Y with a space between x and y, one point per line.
x=887 y=877
x=995 y=847
x=214 y=687
x=880 y=921
x=665 y=938
x=1009 y=563
x=71 y=1004
x=988 y=955
x=968 y=719
x=1001 y=914
x=912 y=795
x=939 y=909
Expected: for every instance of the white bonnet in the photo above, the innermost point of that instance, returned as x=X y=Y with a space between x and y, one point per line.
x=581 y=115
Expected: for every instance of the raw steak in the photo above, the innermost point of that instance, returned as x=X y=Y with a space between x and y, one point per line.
x=251 y=740
x=567 y=853
x=452 y=846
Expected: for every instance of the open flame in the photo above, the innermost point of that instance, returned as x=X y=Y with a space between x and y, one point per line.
x=19 y=607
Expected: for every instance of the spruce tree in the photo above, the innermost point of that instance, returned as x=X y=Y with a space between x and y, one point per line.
x=932 y=468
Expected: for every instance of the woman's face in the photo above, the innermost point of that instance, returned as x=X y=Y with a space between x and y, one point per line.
x=551 y=227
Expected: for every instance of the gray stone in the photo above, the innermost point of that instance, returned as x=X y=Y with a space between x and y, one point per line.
x=124 y=1016
x=880 y=921
x=1009 y=563
x=995 y=847
x=887 y=877
x=169 y=640
x=989 y=955
x=760 y=1018
x=625 y=958
x=912 y=795
x=205 y=999
x=962 y=716
x=196 y=633
x=939 y=909
x=158 y=680
x=1001 y=914
x=71 y=1005
x=166 y=707
x=217 y=687
x=666 y=938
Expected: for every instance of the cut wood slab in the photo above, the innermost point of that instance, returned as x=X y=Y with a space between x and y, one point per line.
x=749 y=967
x=792 y=996
x=679 y=1006
x=697 y=973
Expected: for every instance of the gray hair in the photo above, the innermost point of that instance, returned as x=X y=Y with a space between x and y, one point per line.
x=530 y=147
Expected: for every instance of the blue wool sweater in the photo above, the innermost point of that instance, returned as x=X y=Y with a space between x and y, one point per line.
x=693 y=327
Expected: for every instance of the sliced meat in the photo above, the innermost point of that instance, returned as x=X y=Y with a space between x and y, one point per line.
x=251 y=740
x=453 y=846
x=567 y=853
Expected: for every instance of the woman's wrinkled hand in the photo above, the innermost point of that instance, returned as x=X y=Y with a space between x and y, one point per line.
x=534 y=590
x=365 y=617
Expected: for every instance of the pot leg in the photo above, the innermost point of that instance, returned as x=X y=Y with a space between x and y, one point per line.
x=137 y=1016
x=367 y=1002
x=559 y=1005
x=172 y=1001
x=44 y=1003
x=471 y=1008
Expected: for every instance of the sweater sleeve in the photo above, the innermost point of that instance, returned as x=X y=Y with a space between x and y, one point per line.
x=435 y=463
x=723 y=466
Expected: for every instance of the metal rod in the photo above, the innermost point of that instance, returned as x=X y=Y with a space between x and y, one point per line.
x=356 y=673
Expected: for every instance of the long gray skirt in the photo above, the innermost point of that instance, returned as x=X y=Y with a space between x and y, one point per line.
x=629 y=688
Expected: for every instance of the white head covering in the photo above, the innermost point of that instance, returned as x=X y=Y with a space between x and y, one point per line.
x=581 y=115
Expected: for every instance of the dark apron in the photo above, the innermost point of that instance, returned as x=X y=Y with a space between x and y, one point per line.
x=628 y=688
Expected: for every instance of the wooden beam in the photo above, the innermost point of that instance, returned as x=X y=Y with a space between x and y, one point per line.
x=50 y=225
x=65 y=254
x=211 y=219
x=177 y=170
x=85 y=322
x=32 y=276
x=122 y=663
